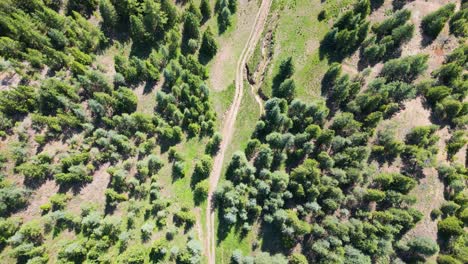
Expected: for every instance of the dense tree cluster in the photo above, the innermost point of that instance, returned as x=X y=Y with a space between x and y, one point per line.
x=313 y=183
x=454 y=215
x=348 y=32
x=447 y=92
x=388 y=36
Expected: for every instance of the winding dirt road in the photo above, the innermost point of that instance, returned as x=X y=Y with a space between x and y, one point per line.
x=228 y=126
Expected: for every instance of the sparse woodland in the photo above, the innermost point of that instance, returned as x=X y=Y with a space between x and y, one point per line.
x=92 y=173
x=63 y=93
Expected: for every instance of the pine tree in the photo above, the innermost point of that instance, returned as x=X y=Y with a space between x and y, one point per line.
x=108 y=13
x=208 y=47
x=224 y=19
x=233 y=6
x=191 y=27
x=205 y=9
x=137 y=29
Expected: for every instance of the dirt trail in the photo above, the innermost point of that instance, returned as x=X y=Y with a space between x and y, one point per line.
x=228 y=127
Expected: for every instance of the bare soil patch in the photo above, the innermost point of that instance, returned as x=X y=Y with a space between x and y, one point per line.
x=92 y=192
x=39 y=197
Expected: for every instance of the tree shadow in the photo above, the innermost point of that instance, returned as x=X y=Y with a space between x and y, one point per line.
x=399 y=4
x=271 y=241
x=376 y=4
x=426 y=40
x=328 y=50
x=204 y=59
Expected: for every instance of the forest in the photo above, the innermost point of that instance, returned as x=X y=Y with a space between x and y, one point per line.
x=341 y=138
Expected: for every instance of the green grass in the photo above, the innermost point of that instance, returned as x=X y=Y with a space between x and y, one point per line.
x=247 y=118
x=245 y=125
x=233 y=40
x=234 y=241
x=298 y=35
x=256 y=57
x=222 y=100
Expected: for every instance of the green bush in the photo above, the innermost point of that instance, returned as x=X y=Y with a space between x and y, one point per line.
x=434 y=22
x=201 y=191
x=59 y=201
x=423 y=246
x=459 y=22
x=405 y=69
x=12 y=199
x=450 y=226
x=208 y=47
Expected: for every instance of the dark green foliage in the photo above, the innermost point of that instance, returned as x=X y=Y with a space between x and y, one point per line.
x=11 y=199
x=456 y=142
x=405 y=69
x=19 y=100
x=446 y=94
x=286 y=90
x=208 y=47
x=65 y=97
x=125 y=101
x=224 y=19
x=184 y=217
x=450 y=226
x=390 y=34
x=109 y=14
x=348 y=32
x=191 y=29
x=322 y=15
x=202 y=169
x=446 y=259
x=213 y=144
x=423 y=246
x=201 y=191
x=205 y=9
x=459 y=22
x=8 y=228
x=434 y=22
x=133 y=255
x=113 y=198
x=224 y=9
x=37 y=169
x=84 y=7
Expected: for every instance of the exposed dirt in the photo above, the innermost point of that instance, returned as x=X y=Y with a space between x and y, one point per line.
x=147 y=97
x=228 y=126
x=429 y=191
x=430 y=195
x=38 y=198
x=436 y=49
x=414 y=114
x=221 y=75
x=8 y=80
x=94 y=191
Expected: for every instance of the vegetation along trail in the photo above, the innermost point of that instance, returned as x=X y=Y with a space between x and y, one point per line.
x=228 y=127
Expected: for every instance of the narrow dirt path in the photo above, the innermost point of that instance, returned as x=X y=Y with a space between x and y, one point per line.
x=228 y=127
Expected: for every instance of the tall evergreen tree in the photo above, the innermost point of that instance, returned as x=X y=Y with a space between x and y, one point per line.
x=137 y=29
x=233 y=6
x=208 y=47
x=108 y=13
x=205 y=9
x=224 y=19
